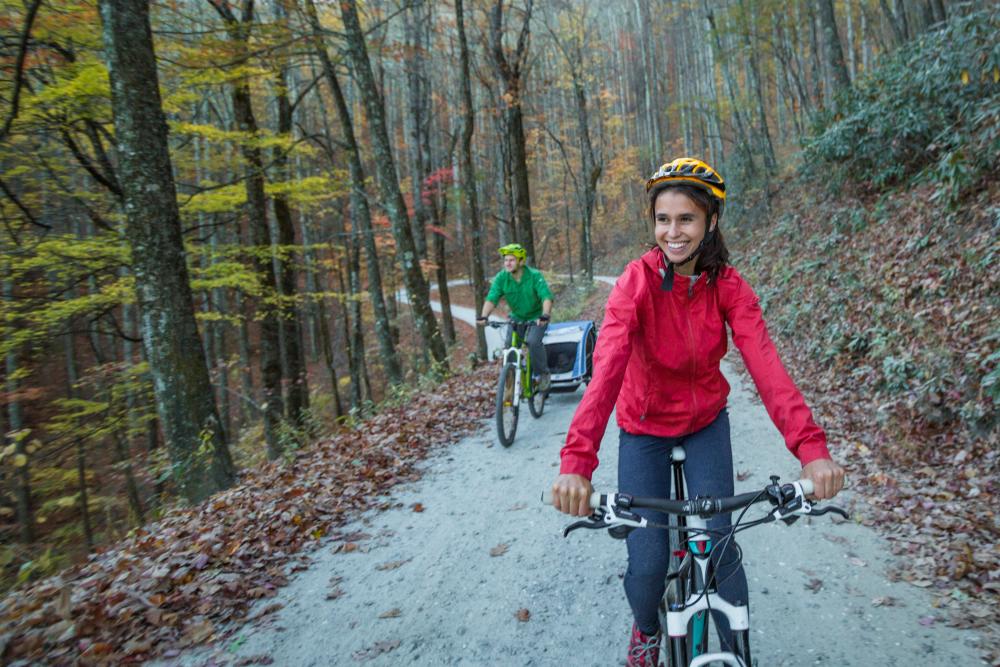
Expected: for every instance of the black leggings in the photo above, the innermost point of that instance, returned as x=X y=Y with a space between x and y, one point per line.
x=644 y=470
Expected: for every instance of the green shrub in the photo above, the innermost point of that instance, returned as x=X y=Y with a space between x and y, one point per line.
x=928 y=112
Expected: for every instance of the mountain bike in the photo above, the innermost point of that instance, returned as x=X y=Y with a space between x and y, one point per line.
x=691 y=593
x=515 y=381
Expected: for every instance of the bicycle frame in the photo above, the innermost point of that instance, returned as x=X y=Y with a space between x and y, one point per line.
x=519 y=355
x=701 y=599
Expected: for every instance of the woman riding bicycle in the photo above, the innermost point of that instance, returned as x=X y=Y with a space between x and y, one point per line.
x=657 y=359
x=529 y=300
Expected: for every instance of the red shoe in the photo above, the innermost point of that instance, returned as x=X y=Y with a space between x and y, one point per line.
x=643 y=651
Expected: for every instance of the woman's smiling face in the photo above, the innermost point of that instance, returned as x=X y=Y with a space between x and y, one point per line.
x=679 y=226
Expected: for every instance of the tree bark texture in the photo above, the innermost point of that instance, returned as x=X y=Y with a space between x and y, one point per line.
x=469 y=181
x=392 y=196
x=511 y=72
x=298 y=384
x=260 y=236
x=361 y=222
x=831 y=44
x=200 y=458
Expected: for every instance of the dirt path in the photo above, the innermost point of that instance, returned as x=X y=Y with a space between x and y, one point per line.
x=482 y=576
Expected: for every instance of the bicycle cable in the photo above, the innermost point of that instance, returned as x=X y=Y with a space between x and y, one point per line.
x=724 y=544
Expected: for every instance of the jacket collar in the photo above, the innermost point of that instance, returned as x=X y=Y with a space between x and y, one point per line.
x=653 y=259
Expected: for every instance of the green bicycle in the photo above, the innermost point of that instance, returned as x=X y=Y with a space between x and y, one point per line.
x=515 y=381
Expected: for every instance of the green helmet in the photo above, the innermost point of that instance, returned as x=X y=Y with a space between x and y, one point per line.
x=515 y=249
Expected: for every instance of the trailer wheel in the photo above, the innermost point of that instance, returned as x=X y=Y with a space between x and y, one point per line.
x=589 y=352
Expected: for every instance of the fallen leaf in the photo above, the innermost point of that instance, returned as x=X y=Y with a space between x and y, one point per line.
x=417 y=507
x=392 y=613
x=199 y=632
x=393 y=564
x=814 y=585
x=499 y=550
x=927 y=621
x=254 y=660
x=375 y=650
x=523 y=615
x=884 y=601
x=518 y=506
x=857 y=562
x=742 y=475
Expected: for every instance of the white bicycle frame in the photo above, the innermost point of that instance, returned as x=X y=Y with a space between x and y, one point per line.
x=700 y=600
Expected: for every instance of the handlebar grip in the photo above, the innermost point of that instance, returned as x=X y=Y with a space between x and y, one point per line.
x=595 y=499
x=807 y=486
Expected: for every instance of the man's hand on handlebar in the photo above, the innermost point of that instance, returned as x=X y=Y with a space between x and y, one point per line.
x=827 y=478
x=571 y=494
x=481 y=321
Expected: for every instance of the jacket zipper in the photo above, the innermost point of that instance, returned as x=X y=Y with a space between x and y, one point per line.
x=694 y=358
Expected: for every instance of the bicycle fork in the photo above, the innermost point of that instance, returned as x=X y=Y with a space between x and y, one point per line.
x=513 y=356
x=697 y=595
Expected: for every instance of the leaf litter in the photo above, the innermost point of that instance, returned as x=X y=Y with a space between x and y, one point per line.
x=192 y=576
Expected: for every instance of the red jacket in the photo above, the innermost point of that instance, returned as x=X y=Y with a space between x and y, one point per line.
x=658 y=355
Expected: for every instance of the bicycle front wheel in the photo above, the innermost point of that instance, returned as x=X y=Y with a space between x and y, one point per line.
x=537 y=401
x=507 y=404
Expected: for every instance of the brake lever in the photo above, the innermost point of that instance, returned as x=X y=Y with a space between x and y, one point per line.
x=830 y=508
x=593 y=522
x=608 y=517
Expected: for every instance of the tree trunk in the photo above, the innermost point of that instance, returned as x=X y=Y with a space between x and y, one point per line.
x=744 y=137
x=181 y=384
x=81 y=454
x=355 y=345
x=361 y=221
x=831 y=43
x=15 y=419
x=511 y=73
x=248 y=406
x=764 y=144
x=417 y=120
x=272 y=406
x=469 y=181
x=416 y=285
x=291 y=323
x=898 y=31
x=124 y=461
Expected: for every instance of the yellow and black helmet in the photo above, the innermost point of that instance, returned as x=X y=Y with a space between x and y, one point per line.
x=690 y=171
x=515 y=249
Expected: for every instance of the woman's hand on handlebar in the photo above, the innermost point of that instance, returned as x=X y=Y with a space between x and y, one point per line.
x=571 y=494
x=827 y=478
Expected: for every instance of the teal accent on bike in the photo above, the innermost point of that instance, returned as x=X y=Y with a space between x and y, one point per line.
x=695 y=547
x=697 y=632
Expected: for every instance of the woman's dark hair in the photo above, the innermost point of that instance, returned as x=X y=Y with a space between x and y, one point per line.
x=714 y=255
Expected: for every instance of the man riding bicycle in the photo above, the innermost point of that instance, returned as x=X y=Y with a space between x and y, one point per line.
x=529 y=300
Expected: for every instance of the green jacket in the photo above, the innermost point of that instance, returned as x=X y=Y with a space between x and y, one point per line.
x=524 y=298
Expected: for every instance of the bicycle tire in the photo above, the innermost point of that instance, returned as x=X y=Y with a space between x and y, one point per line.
x=588 y=370
x=506 y=405
x=536 y=404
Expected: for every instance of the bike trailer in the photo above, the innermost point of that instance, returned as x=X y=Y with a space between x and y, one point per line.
x=569 y=347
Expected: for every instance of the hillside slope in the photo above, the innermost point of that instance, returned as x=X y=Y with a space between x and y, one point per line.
x=885 y=309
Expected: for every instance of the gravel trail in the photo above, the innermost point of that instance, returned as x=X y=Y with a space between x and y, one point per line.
x=444 y=586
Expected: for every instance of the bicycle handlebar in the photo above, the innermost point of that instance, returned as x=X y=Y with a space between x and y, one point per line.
x=497 y=324
x=691 y=507
x=615 y=509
